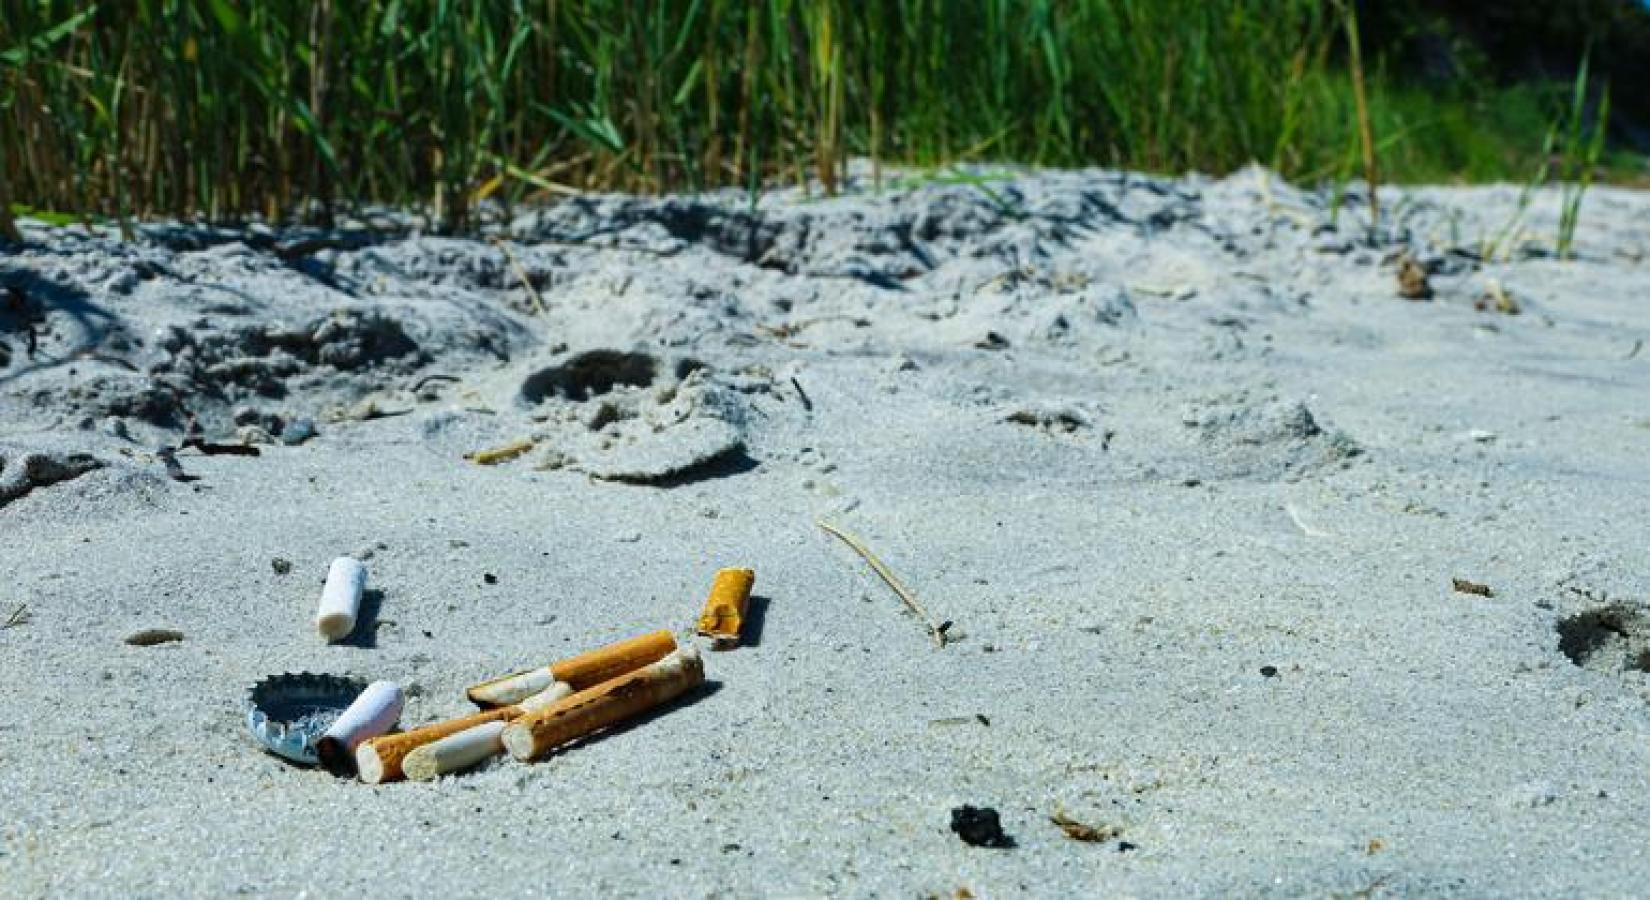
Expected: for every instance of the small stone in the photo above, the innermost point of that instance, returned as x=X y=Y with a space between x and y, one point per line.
x=281 y=566
x=1268 y=671
x=297 y=431
x=489 y=578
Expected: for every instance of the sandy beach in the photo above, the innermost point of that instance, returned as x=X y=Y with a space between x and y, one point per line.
x=1188 y=479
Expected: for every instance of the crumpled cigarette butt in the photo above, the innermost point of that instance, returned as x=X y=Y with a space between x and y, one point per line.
x=582 y=671
x=384 y=758
x=370 y=715
x=537 y=733
x=724 y=612
x=504 y=453
x=341 y=598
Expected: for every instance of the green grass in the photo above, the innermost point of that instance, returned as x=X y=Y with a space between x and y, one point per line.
x=285 y=109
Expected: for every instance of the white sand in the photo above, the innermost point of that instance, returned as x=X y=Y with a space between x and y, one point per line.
x=1215 y=441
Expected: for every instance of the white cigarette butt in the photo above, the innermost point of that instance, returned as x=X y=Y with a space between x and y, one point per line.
x=341 y=598
x=471 y=746
x=455 y=751
x=372 y=714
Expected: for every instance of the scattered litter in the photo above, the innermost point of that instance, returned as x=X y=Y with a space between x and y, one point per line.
x=341 y=598
x=373 y=713
x=384 y=758
x=1496 y=299
x=935 y=630
x=1463 y=586
x=1481 y=436
x=582 y=671
x=979 y=827
x=1412 y=279
x=19 y=616
x=456 y=752
x=724 y=612
x=289 y=713
x=149 y=637
x=505 y=453
x=1088 y=834
x=538 y=732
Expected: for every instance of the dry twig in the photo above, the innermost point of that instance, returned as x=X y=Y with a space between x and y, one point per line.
x=521 y=275
x=936 y=630
x=19 y=616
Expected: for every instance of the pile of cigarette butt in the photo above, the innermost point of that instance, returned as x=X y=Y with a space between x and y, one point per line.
x=527 y=714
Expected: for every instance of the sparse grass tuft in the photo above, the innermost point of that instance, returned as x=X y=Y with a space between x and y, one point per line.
x=285 y=110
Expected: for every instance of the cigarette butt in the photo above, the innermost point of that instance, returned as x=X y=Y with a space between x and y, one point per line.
x=495 y=455
x=582 y=671
x=537 y=733
x=341 y=598
x=466 y=748
x=383 y=758
x=374 y=712
x=724 y=613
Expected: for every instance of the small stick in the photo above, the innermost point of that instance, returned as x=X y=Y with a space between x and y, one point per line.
x=384 y=758
x=472 y=745
x=521 y=275
x=537 y=733
x=505 y=453
x=936 y=630
x=807 y=405
x=582 y=671
x=724 y=613
x=19 y=616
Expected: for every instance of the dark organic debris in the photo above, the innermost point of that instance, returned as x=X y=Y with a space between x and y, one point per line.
x=19 y=616
x=1268 y=671
x=1463 y=586
x=1088 y=834
x=979 y=827
x=1412 y=279
x=174 y=469
x=210 y=449
x=280 y=565
x=807 y=404
x=1051 y=418
x=150 y=637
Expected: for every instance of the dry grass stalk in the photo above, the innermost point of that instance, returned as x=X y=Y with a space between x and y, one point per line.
x=936 y=630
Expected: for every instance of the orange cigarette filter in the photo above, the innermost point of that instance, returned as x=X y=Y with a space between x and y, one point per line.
x=537 y=732
x=379 y=760
x=579 y=672
x=724 y=613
